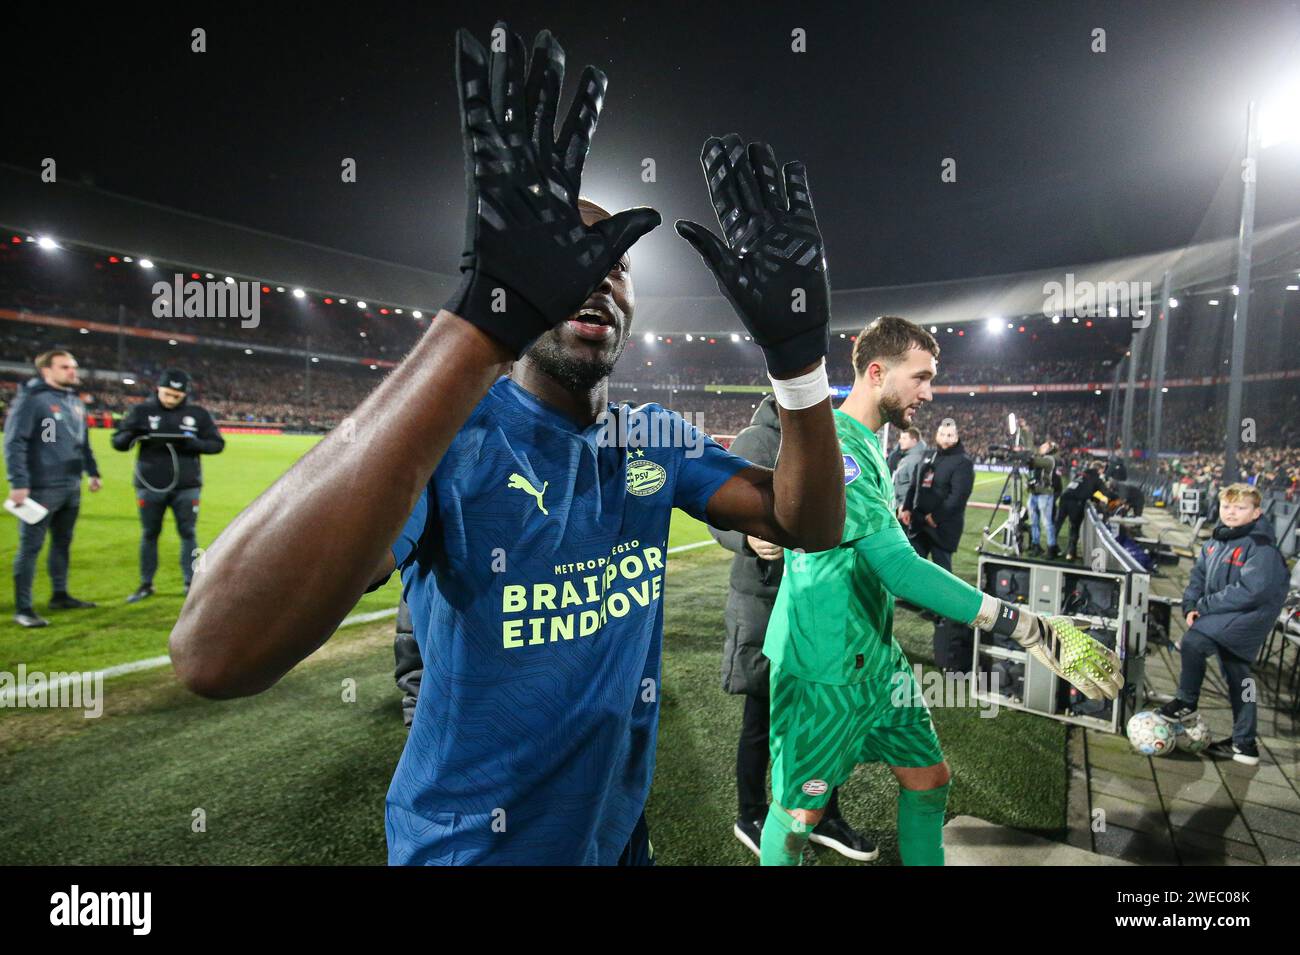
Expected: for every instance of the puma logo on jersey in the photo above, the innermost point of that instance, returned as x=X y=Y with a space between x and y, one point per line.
x=519 y=482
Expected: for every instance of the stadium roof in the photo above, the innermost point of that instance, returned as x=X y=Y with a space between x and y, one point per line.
x=1206 y=266
x=74 y=214
x=83 y=215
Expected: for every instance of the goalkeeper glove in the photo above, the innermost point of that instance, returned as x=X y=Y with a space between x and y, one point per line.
x=1087 y=665
x=772 y=266
x=529 y=261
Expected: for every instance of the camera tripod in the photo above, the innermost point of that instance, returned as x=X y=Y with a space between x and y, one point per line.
x=1008 y=538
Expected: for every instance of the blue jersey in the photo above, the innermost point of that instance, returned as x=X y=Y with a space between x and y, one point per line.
x=533 y=565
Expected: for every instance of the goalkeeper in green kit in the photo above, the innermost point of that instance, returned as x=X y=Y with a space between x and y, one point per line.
x=842 y=691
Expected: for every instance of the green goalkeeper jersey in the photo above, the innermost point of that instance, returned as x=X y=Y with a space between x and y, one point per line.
x=833 y=621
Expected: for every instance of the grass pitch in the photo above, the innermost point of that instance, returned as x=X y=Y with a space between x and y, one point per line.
x=298 y=774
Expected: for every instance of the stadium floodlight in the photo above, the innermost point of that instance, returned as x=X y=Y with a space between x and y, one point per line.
x=418 y=314
x=361 y=304
x=735 y=337
x=299 y=293
x=46 y=243
x=995 y=325
x=146 y=264
x=1279 y=116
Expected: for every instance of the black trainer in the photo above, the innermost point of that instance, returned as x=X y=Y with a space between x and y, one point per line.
x=30 y=618
x=142 y=592
x=750 y=834
x=66 y=601
x=1176 y=711
x=1227 y=749
x=839 y=835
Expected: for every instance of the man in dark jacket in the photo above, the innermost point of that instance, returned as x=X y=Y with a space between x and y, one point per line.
x=1236 y=590
x=47 y=448
x=1042 y=468
x=914 y=451
x=934 y=511
x=171 y=432
x=1086 y=486
x=755 y=577
x=409 y=667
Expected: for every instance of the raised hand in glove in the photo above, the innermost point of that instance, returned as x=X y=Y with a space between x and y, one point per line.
x=1089 y=666
x=772 y=266
x=529 y=261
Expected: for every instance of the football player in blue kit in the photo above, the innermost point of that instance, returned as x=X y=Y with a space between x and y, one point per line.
x=527 y=515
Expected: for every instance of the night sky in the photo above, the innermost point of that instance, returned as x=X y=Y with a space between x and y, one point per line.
x=1063 y=155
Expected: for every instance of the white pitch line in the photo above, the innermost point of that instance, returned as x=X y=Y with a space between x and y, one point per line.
x=9 y=697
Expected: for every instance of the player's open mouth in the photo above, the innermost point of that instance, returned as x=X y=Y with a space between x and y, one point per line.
x=593 y=324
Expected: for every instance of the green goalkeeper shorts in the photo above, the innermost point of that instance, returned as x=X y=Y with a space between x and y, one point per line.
x=820 y=731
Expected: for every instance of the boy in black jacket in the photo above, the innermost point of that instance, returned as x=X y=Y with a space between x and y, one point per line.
x=1236 y=590
x=171 y=433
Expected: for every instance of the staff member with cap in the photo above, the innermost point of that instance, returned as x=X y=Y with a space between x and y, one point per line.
x=171 y=432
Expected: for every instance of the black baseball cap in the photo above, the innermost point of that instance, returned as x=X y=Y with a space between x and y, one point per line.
x=175 y=379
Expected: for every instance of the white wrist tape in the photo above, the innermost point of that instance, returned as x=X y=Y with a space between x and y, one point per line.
x=990 y=606
x=795 y=394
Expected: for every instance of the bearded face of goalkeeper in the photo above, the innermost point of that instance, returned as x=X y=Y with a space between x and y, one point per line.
x=897 y=360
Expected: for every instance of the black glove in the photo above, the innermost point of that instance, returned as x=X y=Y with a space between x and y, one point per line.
x=529 y=262
x=771 y=250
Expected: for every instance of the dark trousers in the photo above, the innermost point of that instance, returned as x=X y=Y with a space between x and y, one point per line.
x=928 y=548
x=1073 y=510
x=1197 y=648
x=184 y=503
x=751 y=763
x=64 y=504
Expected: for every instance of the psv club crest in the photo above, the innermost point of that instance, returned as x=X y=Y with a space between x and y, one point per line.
x=644 y=477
